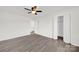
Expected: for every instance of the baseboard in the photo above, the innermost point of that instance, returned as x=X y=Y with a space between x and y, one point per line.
x=12 y=37
x=50 y=37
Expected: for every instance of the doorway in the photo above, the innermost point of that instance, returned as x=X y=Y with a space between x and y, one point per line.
x=66 y=26
x=60 y=27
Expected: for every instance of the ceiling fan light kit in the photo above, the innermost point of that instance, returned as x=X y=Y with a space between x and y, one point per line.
x=33 y=12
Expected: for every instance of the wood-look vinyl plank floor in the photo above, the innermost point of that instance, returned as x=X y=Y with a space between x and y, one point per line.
x=36 y=43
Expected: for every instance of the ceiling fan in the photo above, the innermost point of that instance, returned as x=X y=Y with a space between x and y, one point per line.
x=33 y=10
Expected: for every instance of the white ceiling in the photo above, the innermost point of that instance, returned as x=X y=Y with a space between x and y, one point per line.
x=47 y=10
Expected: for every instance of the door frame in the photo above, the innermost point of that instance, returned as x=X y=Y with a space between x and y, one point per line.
x=66 y=26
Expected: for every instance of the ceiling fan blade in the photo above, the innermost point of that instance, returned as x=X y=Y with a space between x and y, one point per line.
x=38 y=11
x=29 y=12
x=27 y=9
x=35 y=13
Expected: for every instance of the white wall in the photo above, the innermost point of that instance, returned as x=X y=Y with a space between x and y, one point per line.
x=13 y=25
x=75 y=27
x=67 y=28
x=55 y=31
x=14 y=22
x=73 y=15
x=45 y=26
